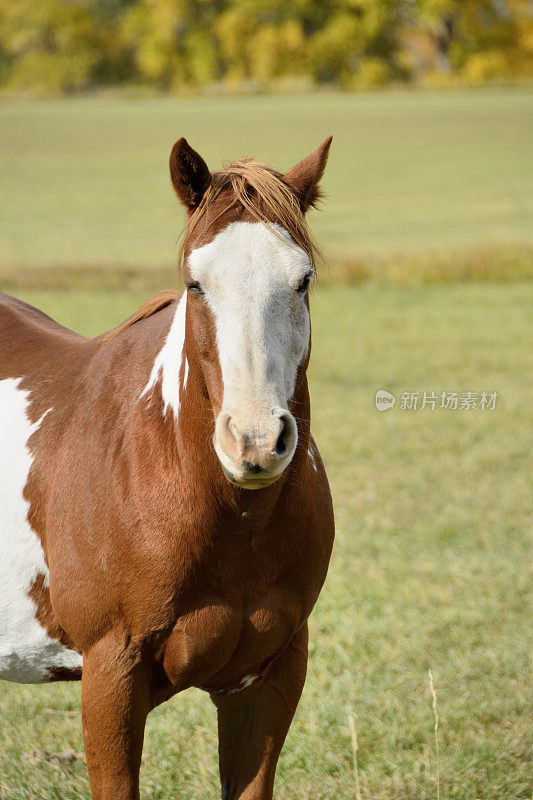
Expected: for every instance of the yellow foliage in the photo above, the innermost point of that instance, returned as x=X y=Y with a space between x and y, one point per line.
x=276 y=51
x=435 y=79
x=233 y=29
x=371 y=74
x=53 y=46
x=483 y=67
x=50 y=46
x=201 y=57
x=151 y=28
x=333 y=50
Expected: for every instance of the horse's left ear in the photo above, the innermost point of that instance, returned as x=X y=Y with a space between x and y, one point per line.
x=189 y=174
x=305 y=176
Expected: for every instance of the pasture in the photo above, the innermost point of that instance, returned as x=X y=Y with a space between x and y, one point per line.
x=85 y=181
x=429 y=569
x=433 y=507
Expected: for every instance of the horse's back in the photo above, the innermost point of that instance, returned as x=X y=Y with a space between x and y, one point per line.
x=30 y=339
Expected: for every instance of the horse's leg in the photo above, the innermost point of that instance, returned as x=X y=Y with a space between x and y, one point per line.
x=253 y=724
x=115 y=704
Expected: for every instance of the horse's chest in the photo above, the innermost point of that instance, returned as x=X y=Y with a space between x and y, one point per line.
x=218 y=645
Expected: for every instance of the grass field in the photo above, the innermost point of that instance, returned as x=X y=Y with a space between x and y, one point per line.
x=430 y=568
x=85 y=180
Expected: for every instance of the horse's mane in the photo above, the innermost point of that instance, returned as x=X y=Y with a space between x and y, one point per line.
x=261 y=191
x=151 y=306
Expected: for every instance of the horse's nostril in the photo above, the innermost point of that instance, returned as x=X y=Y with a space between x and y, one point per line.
x=281 y=444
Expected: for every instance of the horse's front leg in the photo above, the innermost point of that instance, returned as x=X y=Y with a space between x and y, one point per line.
x=253 y=724
x=115 y=704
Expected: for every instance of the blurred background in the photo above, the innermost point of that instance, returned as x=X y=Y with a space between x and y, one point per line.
x=427 y=225
x=94 y=92
x=51 y=46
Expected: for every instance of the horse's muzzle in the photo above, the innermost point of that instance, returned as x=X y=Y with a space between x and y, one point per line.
x=254 y=453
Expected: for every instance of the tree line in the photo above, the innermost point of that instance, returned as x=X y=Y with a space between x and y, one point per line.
x=66 y=46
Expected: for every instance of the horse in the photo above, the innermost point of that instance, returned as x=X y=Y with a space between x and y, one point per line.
x=165 y=516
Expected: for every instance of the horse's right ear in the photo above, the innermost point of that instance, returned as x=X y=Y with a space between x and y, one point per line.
x=189 y=174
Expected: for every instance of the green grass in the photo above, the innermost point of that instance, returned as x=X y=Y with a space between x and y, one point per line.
x=85 y=180
x=430 y=567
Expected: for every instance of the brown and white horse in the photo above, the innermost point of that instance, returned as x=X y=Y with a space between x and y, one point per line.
x=132 y=546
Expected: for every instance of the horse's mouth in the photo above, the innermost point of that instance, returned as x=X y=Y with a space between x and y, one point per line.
x=252 y=483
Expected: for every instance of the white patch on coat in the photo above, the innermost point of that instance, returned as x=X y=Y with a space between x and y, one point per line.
x=249 y=274
x=167 y=365
x=312 y=457
x=247 y=681
x=27 y=653
x=244 y=684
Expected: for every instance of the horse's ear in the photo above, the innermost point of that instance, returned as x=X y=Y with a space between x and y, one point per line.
x=189 y=174
x=305 y=176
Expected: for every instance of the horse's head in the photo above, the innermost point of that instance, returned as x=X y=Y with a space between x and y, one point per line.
x=248 y=259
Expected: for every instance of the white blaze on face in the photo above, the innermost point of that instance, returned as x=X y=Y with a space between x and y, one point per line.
x=26 y=650
x=250 y=274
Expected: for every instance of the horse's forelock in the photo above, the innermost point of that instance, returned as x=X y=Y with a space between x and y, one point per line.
x=261 y=191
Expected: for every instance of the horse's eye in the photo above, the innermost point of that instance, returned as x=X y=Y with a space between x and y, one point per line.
x=194 y=287
x=304 y=283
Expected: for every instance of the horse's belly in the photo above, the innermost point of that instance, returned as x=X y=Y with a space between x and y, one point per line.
x=27 y=653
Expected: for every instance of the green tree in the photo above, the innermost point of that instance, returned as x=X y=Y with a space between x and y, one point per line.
x=52 y=46
x=478 y=40
x=47 y=46
x=355 y=32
